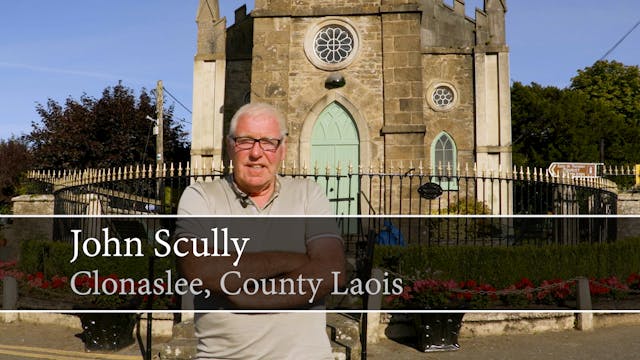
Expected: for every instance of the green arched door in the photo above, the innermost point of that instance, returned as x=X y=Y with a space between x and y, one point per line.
x=334 y=141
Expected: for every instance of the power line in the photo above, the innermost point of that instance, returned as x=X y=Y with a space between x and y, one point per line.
x=619 y=41
x=178 y=101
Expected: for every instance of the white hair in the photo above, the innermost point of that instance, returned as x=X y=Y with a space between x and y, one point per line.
x=257 y=109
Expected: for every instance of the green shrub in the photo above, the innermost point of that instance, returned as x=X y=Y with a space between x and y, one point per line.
x=53 y=258
x=503 y=266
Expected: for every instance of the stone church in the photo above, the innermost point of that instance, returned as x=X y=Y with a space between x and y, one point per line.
x=362 y=82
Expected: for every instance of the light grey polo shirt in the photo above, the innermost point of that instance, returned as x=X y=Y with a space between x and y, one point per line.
x=222 y=197
x=275 y=335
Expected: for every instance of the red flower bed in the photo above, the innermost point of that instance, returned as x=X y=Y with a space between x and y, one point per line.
x=103 y=292
x=469 y=294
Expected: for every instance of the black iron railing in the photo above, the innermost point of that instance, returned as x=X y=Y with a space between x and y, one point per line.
x=474 y=208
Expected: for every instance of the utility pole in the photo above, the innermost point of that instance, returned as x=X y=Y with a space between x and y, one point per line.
x=159 y=124
x=160 y=195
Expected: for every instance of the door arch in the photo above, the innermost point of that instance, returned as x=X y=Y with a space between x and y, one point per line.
x=335 y=141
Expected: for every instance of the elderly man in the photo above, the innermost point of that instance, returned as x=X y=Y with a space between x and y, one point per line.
x=297 y=249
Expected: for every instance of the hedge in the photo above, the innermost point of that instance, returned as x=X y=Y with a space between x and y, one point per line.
x=503 y=266
x=53 y=258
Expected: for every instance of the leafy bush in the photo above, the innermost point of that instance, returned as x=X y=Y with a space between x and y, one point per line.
x=53 y=258
x=503 y=266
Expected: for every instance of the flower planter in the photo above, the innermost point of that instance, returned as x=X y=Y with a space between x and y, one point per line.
x=437 y=331
x=107 y=331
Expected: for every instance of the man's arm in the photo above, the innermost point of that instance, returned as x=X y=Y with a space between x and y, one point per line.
x=253 y=265
x=325 y=256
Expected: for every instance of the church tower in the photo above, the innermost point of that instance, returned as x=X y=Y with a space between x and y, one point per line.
x=369 y=84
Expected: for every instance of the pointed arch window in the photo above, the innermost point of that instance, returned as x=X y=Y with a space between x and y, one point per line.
x=444 y=162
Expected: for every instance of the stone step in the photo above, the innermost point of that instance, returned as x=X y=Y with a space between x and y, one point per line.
x=177 y=349
x=182 y=345
x=343 y=331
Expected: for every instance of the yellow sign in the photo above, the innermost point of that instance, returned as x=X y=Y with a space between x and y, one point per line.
x=637 y=174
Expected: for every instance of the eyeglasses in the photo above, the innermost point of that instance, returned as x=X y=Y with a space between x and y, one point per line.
x=266 y=144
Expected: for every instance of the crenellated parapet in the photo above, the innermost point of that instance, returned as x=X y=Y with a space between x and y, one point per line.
x=445 y=28
x=448 y=29
x=490 y=26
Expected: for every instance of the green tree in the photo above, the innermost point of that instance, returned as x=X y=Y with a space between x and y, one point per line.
x=15 y=160
x=617 y=86
x=614 y=83
x=106 y=132
x=552 y=124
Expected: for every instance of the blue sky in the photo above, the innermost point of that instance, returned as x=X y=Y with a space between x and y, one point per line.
x=57 y=49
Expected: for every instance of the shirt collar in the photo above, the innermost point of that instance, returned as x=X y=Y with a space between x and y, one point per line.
x=242 y=197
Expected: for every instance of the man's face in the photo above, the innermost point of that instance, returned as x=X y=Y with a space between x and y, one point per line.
x=255 y=169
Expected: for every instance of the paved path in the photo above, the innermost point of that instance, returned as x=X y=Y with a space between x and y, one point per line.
x=21 y=341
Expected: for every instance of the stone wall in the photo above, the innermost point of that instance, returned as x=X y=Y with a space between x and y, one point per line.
x=456 y=70
x=629 y=204
x=238 y=66
x=282 y=75
x=33 y=205
x=17 y=230
x=404 y=122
